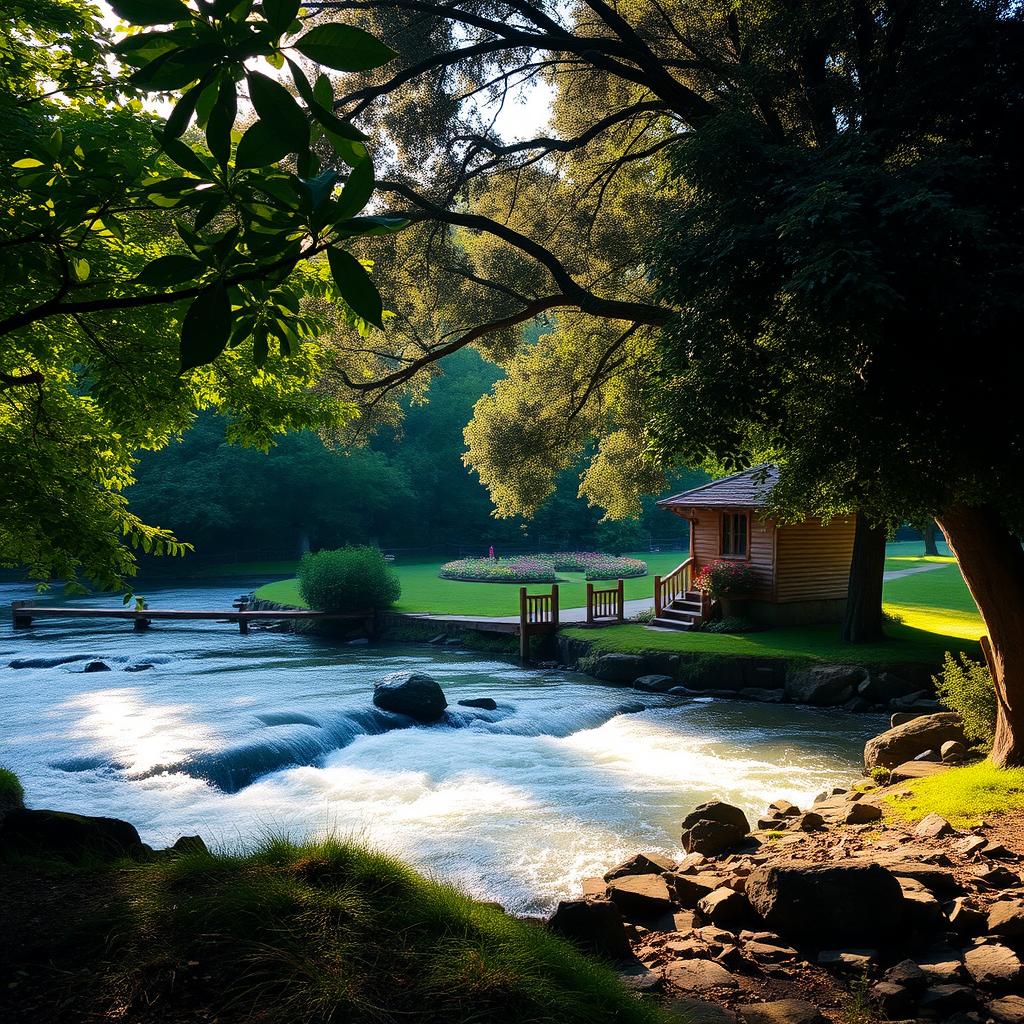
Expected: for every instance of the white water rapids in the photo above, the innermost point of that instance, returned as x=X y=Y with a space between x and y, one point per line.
x=235 y=736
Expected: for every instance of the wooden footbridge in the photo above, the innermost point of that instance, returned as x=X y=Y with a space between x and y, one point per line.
x=24 y=613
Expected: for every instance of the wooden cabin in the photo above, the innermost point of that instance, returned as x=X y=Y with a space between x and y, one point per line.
x=802 y=568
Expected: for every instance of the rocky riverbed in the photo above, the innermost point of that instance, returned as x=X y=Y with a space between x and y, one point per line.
x=838 y=911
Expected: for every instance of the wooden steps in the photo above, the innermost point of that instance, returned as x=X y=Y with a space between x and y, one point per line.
x=683 y=612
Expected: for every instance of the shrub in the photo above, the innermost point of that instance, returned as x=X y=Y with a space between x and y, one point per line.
x=729 y=624
x=11 y=793
x=724 y=579
x=965 y=686
x=351 y=579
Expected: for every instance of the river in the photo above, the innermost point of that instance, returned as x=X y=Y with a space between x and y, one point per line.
x=233 y=737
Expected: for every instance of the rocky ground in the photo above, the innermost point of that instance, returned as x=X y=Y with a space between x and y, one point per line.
x=835 y=912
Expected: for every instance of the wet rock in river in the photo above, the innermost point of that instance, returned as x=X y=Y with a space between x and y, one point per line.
x=411 y=693
x=619 y=668
x=96 y=666
x=485 y=703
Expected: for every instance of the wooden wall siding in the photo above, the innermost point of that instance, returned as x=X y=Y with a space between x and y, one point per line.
x=813 y=561
x=707 y=545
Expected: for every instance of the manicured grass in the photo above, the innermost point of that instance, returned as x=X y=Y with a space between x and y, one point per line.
x=318 y=932
x=963 y=796
x=937 y=601
x=818 y=643
x=907 y=554
x=424 y=591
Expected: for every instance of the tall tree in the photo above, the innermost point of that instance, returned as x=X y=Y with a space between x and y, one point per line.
x=754 y=224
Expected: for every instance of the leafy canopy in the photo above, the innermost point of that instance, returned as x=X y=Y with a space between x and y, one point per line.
x=151 y=268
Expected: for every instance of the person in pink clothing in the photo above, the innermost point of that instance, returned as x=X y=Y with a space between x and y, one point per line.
x=490 y=553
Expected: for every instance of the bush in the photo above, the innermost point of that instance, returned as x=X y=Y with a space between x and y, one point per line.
x=11 y=793
x=351 y=579
x=730 y=624
x=965 y=686
x=724 y=579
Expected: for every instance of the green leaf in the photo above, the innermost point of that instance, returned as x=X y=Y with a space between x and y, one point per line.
x=169 y=270
x=344 y=48
x=182 y=113
x=222 y=118
x=27 y=162
x=355 y=286
x=323 y=92
x=280 y=13
x=353 y=153
x=319 y=189
x=260 y=146
x=357 y=191
x=79 y=268
x=371 y=226
x=277 y=107
x=184 y=156
x=149 y=12
x=206 y=327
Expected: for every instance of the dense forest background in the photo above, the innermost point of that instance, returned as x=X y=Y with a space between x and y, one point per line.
x=407 y=490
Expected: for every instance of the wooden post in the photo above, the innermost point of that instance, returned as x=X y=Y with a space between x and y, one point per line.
x=657 y=597
x=524 y=631
x=243 y=625
x=554 y=605
x=622 y=601
x=141 y=623
x=590 y=604
x=19 y=618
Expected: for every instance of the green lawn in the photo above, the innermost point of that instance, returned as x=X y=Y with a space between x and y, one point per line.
x=820 y=643
x=424 y=591
x=937 y=602
x=937 y=612
x=935 y=607
x=963 y=796
x=907 y=554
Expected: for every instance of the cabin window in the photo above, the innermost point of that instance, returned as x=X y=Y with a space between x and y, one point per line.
x=734 y=534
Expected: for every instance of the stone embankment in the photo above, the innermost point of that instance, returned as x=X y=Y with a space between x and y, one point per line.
x=896 y=688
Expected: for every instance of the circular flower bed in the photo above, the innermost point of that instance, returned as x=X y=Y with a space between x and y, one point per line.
x=543 y=568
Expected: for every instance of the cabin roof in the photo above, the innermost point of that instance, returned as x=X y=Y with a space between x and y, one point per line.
x=749 y=489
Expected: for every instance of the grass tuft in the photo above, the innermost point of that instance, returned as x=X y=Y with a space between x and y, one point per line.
x=963 y=796
x=331 y=931
x=12 y=794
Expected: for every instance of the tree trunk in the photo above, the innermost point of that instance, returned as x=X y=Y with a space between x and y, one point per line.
x=862 y=622
x=992 y=562
x=929 y=539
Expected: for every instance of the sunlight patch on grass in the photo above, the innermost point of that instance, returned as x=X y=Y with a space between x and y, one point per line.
x=963 y=796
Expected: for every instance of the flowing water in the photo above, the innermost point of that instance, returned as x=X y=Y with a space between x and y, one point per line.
x=235 y=736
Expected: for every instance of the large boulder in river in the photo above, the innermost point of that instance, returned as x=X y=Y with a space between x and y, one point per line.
x=824 y=685
x=904 y=742
x=411 y=693
x=828 y=904
x=69 y=836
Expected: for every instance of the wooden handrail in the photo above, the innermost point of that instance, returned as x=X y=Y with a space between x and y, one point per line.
x=537 y=613
x=668 y=588
x=607 y=603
